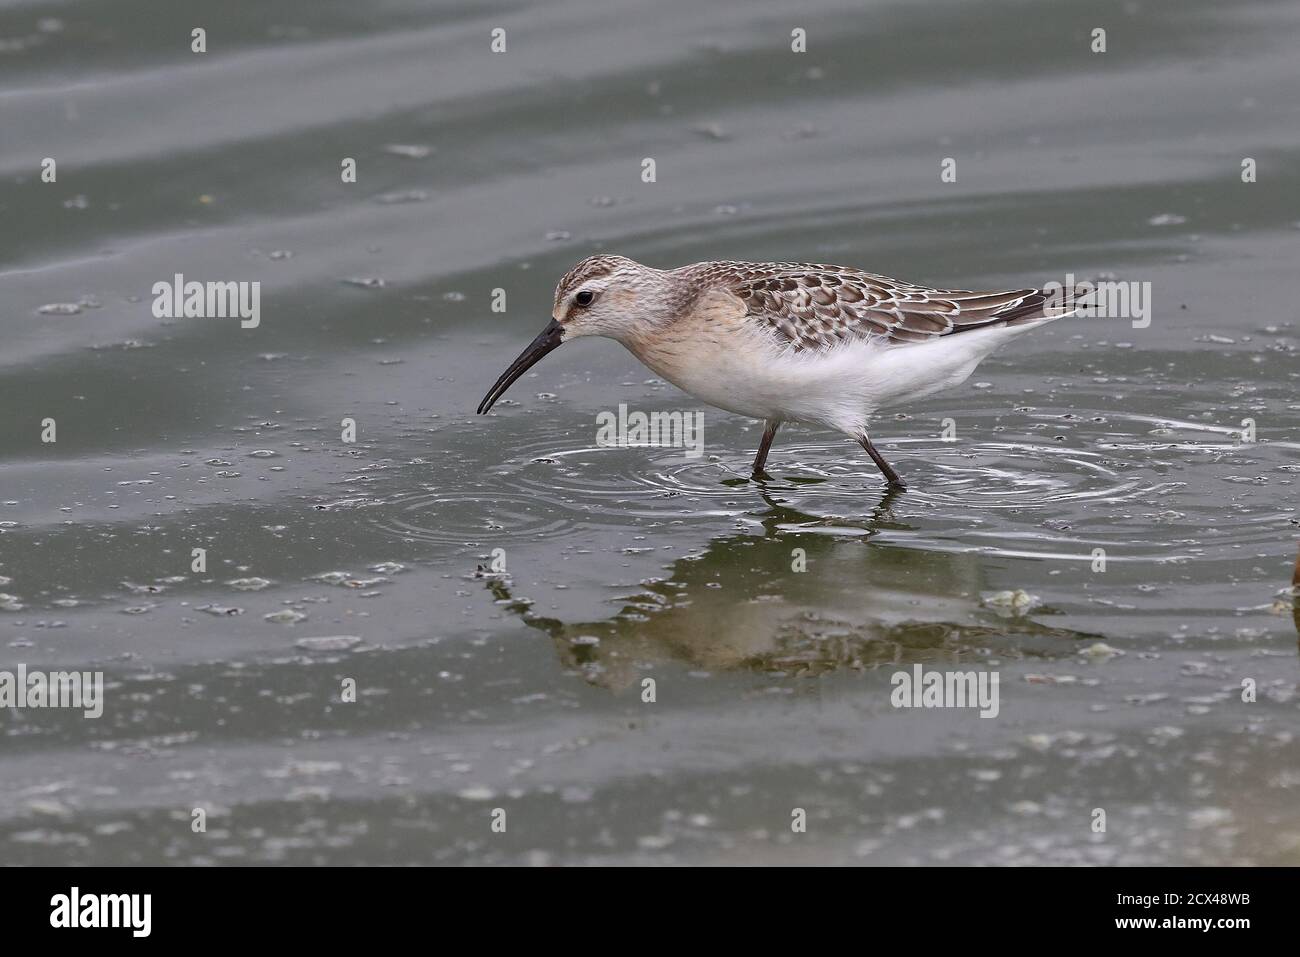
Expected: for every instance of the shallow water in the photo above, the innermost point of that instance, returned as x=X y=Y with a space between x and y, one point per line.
x=521 y=688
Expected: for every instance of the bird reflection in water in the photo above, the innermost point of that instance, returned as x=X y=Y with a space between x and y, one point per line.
x=742 y=605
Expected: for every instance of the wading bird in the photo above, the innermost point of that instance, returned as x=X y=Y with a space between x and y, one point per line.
x=788 y=342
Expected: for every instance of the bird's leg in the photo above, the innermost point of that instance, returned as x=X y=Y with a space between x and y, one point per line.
x=889 y=473
x=769 y=433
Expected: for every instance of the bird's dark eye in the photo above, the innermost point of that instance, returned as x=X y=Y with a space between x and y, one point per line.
x=584 y=298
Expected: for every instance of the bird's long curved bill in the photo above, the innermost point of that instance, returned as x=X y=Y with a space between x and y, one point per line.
x=549 y=339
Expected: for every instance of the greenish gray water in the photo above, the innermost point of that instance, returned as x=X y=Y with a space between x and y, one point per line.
x=522 y=690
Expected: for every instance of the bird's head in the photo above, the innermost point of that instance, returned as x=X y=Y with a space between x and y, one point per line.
x=608 y=296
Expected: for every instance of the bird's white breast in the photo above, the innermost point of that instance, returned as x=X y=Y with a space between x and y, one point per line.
x=750 y=375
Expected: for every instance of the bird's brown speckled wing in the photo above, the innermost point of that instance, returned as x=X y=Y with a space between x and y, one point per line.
x=817 y=307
